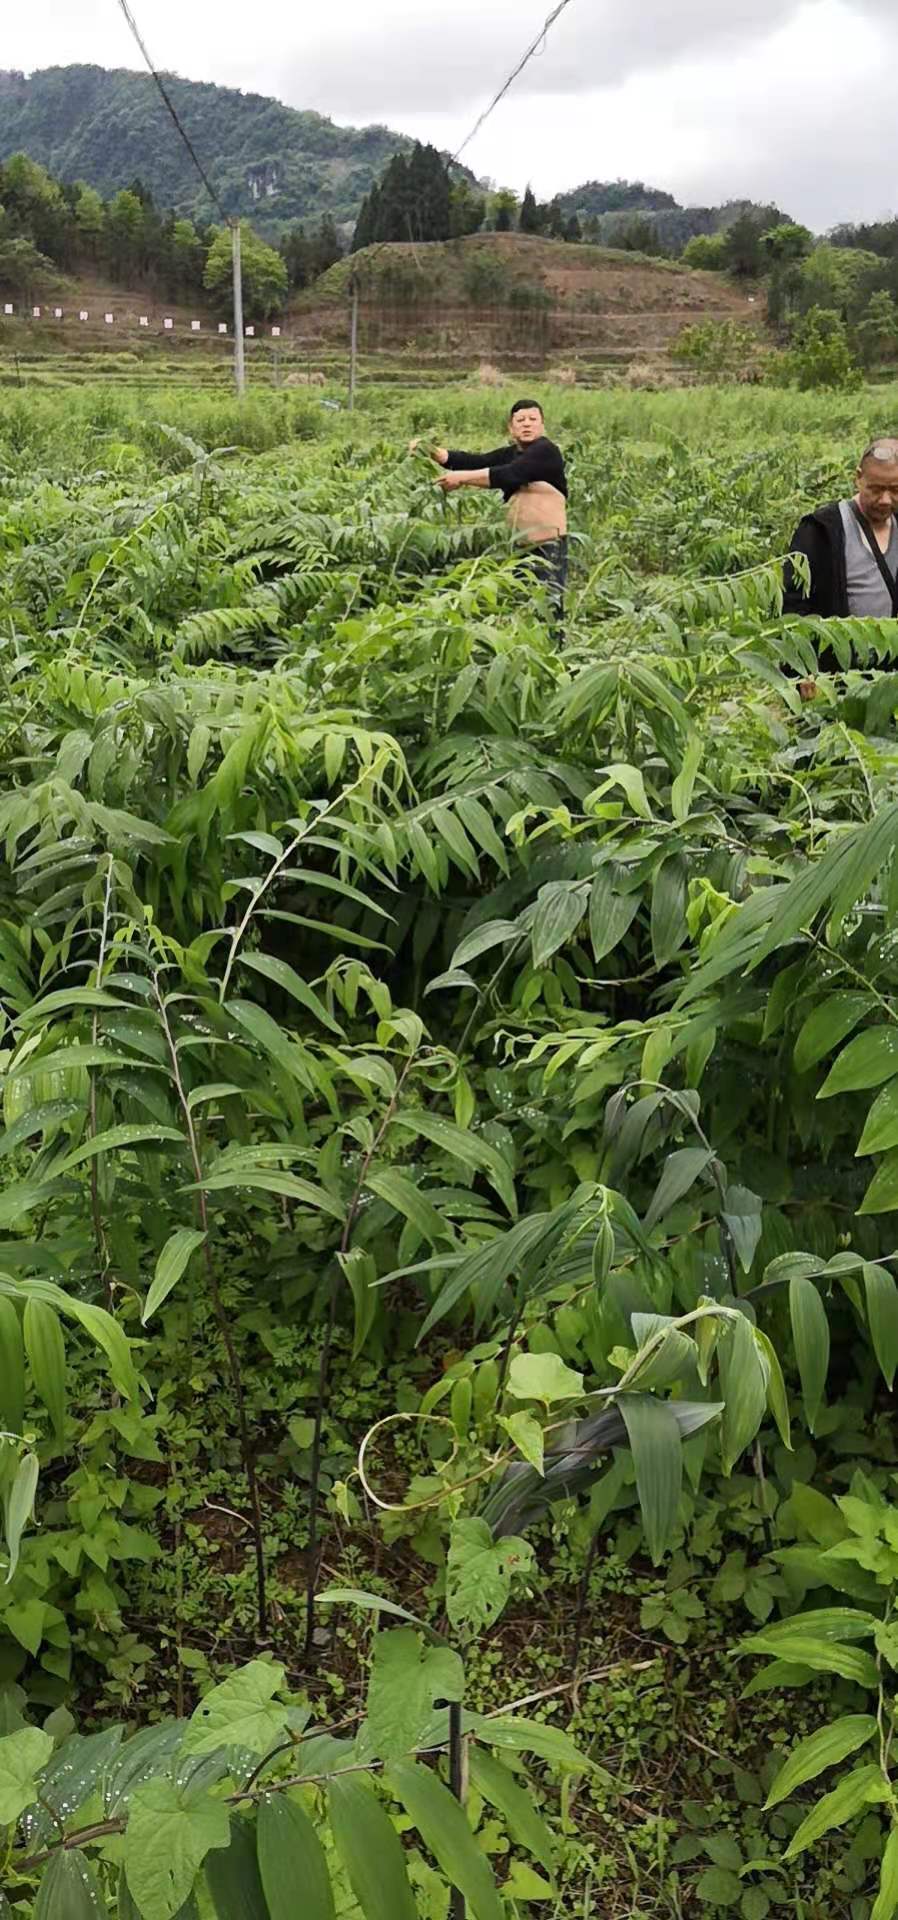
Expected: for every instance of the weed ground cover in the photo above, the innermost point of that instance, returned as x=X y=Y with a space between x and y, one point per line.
x=449 y=1134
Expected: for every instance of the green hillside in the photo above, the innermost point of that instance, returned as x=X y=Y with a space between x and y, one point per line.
x=109 y=127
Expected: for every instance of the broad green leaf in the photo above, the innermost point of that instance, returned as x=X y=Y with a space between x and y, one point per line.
x=104 y=1329
x=360 y=1272
x=611 y=915
x=407 y=1678
x=822 y=1656
x=543 y=1376
x=681 y=1170
x=370 y=1850
x=12 y=1369
x=560 y=907
x=528 y=1437
x=869 y=1059
x=470 y=1149
x=289 y=981
x=864 y=1787
x=45 y=1348
x=682 y=787
x=235 y=1179
x=115 y=1138
x=882 y=1194
x=493 y=933
x=630 y=779
x=881 y=1125
x=777 y=1397
x=828 y=1025
x=23 y=1755
x=825 y=1748
x=197 y=749
x=127 y=1910
x=743 y=1217
x=658 y=1458
x=373 y=1603
x=881 y=1296
x=169 y=1833
x=826 y=1623
x=512 y=1735
x=69 y=1889
x=171 y=1264
x=292 y=1863
x=743 y=1387
x=444 y=1829
x=402 y=1194
x=479 y=1572
x=233 y=1879
x=497 y=1784
x=668 y=918
x=240 y=1712
x=810 y=1332
x=525 y=1884
x=19 y=1506
x=885 y=1906
x=719 y=1887
x=63 y=1001
x=274 y=1041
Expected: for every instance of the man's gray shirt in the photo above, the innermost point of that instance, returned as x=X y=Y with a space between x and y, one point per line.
x=868 y=595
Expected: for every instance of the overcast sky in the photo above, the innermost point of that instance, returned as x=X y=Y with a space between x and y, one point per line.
x=785 y=100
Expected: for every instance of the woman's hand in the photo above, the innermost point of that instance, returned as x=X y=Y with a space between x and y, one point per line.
x=449 y=481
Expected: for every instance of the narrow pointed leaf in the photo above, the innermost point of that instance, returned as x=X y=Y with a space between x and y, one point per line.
x=45 y=1348
x=444 y=1829
x=658 y=1458
x=292 y=1863
x=171 y=1264
x=864 y=1787
x=370 y=1850
x=810 y=1332
x=496 y=1784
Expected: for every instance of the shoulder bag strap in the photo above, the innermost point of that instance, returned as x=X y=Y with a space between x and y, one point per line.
x=877 y=553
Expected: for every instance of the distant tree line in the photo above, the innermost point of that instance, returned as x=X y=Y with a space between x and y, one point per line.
x=50 y=229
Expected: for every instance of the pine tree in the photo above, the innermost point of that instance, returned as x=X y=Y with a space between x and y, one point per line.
x=325 y=247
x=531 y=217
x=297 y=254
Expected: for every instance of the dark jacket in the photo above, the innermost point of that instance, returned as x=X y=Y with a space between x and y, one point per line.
x=820 y=537
x=511 y=467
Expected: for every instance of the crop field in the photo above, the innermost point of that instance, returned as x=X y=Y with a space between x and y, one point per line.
x=449 y=1078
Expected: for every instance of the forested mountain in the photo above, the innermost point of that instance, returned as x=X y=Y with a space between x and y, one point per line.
x=614 y=211
x=108 y=127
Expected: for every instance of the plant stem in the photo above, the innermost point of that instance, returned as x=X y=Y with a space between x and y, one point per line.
x=246 y=1452
x=99 y=1230
x=325 y=1360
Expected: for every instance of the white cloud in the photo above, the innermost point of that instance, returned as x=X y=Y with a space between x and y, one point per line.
x=771 y=99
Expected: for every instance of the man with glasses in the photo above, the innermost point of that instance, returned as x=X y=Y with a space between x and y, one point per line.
x=852 y=546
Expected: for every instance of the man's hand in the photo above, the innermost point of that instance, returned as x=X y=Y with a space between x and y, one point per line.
x=439 y=454
x=449 y=481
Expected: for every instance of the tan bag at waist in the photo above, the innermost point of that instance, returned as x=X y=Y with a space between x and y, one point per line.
x=538 y=512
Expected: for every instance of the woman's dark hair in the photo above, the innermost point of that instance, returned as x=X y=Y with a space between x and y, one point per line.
x=521 y=405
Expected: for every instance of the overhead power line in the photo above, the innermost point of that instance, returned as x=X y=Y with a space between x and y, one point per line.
x=166 y=96
x=535 y=48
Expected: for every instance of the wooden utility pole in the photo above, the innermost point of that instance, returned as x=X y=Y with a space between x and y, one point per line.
x=353 y=340
x=239 y=359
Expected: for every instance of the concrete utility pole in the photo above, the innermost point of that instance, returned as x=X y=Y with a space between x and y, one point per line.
x=239 y=360
x=353 y=340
